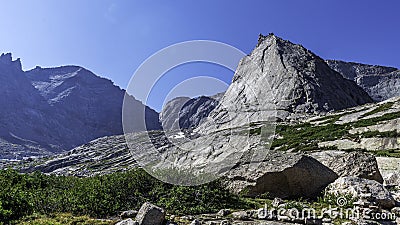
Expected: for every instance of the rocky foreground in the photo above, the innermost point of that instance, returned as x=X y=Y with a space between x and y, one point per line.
x=357 y=159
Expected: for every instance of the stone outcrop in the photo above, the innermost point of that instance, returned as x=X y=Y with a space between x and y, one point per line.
x=356 y=164
x=111 y=154
x=369 y=190
x=379 y=82
x=183 y=112
x=390 y=169
x=150 y=214
x=127 y=222
x=283 y=80
x=285 y=175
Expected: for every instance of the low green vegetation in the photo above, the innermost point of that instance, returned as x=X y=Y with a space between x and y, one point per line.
x=388 y=153
x=61 y=219
x=376 y=120
x=41 y=199
x=377 y=134
x=380 y=108
x=22 y=195
x=306 y=136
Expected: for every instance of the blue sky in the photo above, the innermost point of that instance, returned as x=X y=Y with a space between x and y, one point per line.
x=112 y=38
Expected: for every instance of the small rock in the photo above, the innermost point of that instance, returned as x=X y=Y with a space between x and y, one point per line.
x=310 y=221
x=253 y=214
x=225 y=222
x=128 y=214
x=396 y=210
x=189 y=218
x=240 y=215
x=392 y=179
x=347 y=223
x=326 y=220
x=374 y=208
x=282 y=206
x=150 y=214
x=367 y=222
x=127 y=222
x=277 y=202
x=224 y=212
x=212 y=223
x=195 y=222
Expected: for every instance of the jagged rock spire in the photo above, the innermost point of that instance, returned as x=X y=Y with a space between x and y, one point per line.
x=6 y=58
x=286 y=78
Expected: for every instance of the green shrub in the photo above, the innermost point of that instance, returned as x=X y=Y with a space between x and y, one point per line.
x=103 y=196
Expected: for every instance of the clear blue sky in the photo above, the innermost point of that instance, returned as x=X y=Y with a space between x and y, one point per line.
x=112 y=38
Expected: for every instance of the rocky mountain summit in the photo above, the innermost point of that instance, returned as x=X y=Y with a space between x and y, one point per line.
x=279 y=80
x=289 y=79
x=48 y=110
x=380 y=82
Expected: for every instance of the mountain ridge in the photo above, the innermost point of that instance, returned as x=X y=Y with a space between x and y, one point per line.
x=63 y=107
x=380 y=82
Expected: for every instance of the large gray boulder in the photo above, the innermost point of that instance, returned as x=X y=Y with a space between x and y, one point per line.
x=360 y=188
x=284 y=175
x=379 y=82
x=150 y=214
x=355 y=164
x=390 y=169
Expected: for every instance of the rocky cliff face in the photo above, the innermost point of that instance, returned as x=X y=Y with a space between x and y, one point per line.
x=183 y=112
x=380 y=82
x=25 y=118
x=47 y=110
x=284 y=80
x=93 y=103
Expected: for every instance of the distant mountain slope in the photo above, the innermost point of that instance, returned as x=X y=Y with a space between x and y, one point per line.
x=93 y=103
x=55 y=109
x=380 y=82
x=184 y=112
x=26 y=120
x=371 y=127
